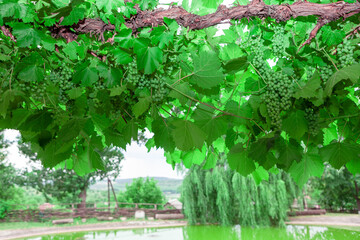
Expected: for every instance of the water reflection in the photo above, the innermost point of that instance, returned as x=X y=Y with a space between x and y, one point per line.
x=213 y=233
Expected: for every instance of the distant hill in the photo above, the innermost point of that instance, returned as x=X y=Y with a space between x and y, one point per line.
x=167 y=185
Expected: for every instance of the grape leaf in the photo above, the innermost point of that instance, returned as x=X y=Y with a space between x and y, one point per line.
x=100 y=121
x=239 y=161
x=332 y=37
x=11 y=8
x=150 y=59
x=71 y=50
x=259 y=149
x=260 y=174
x=330 y=134
x=211 y=160
x=124 y=38
x=121 y=56
x=310 y=165
x=162 y=135
x=113 y=137
x=354 y=166
x=173 y=158
x=75 y=15
x=75 y=93
x=295 y=125
x=234 y=65
x=187 y=135
x=26 y=35
x=117 y=91
x=160 y=37
x=37 y=122
x=207 y=121
x=193 y=157
x=50 y=158
x=109 y=5
x=88 y=159
x=141 y=106
x=340 y=153
x=207 y=70
x=309 y=90
x=111 y=76
x=352 y=73
x=289 y=151
x=85 y=75
x=130 y=131
x=31 y=73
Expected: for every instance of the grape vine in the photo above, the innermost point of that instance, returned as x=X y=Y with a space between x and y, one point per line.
x=268 y=89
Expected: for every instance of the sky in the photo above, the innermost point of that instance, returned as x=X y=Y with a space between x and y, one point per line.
x=138 y=162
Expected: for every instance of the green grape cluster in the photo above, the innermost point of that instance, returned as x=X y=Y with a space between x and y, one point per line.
x=256 y=48
x=122 y=104
x=171 y=61
x=152 y=82
x=133 y=75
x=277 y=96
x=35 y=90
x=326 y=72
x=278 y=46
x=312 y=118
x=346 y=54
x=159 y=91
x=98 y=86
x=61 y=78
x=310 y=72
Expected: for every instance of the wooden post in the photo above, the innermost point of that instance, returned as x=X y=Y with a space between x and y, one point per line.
x=136 y=205
x=116 y=202
x=155 y=206
x=108 y=196
x=72 y=210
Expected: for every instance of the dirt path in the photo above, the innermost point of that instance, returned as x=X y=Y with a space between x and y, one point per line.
x=32 y=232
x=327 y=220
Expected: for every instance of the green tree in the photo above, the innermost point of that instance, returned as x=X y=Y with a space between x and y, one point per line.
x=223 y=196
x=142 y=191
x=338 y=189
x=7 y=172
x=65 y=184
x=79 y=76
x=10 y=193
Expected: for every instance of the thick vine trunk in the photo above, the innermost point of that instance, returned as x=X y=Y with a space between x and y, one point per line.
x=326 y=13
x=357 y=196
x=82 y=196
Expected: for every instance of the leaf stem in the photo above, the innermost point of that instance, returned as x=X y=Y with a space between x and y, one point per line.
x=208 y=105
x=330 y=60
x=182 y=78
x=340 y=117
x=258 y=73
x=187 y=114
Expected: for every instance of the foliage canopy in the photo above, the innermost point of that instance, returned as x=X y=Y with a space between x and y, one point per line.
x=142 y=191
x=81 y=75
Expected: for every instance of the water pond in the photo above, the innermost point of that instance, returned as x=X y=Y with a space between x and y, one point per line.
x=213 y=233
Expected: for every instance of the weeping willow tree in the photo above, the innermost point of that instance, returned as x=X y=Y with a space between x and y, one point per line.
x=223 y=196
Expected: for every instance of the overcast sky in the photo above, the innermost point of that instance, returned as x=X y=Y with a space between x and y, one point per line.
x=137 y=163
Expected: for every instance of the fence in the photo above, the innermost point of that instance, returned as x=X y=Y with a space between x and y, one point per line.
x=20 y=213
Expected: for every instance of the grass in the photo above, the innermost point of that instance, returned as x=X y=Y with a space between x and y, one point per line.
x=24 y=225
x=331 y=215
x=77 y=221
x=351 y=228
